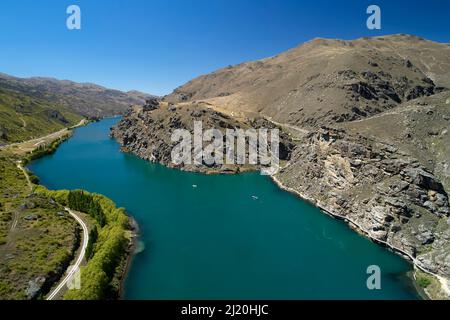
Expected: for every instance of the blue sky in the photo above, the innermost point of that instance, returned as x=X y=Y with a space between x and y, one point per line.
x=157 y=45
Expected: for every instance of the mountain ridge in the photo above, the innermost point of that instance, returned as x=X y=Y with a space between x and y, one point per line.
x=285 y=86
x=86 y=99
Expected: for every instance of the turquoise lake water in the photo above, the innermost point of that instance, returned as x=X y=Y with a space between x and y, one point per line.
x=216 y=241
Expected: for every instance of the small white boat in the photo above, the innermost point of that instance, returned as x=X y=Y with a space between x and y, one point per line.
x=194 y=186
x=254 y=197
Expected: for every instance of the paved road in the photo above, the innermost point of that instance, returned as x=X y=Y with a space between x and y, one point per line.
x=74 y=268
x=38 y=141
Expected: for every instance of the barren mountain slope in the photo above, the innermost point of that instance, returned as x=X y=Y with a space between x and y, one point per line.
x=419 y=127
x=325 y=81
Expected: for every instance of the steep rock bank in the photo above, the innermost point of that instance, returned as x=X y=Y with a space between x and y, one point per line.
x=146 y=131
x=388 y=194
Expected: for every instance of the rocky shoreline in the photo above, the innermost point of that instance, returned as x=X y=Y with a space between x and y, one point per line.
x=354 y=225
x=364 y=134
x=376 y=186
x=378 y=189
x=129 y=256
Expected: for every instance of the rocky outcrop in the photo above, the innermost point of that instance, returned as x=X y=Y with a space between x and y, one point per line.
x=386 y=193
x=55 y=114
x=150 y=105
x=147 y=133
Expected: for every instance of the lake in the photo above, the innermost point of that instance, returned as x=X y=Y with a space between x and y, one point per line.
x=222 y=236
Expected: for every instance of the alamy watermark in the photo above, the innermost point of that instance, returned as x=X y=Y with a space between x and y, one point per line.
x=374 y=280
x=74 y=281
x=236 y=147
x=73 y=22
x=374 y=20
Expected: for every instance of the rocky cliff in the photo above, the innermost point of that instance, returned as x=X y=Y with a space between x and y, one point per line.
x=146 y=131
x=387 y=193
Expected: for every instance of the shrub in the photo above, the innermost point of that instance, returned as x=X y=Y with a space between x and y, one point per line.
x=93 y=236
x=107 y=241
x=423 y=281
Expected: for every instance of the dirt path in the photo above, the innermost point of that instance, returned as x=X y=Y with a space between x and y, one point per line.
x=299 y=132
x=25 y=173
x=15 y=221
x=30 y=186
x=24 y=123
x=302 y=132
x=394 y=111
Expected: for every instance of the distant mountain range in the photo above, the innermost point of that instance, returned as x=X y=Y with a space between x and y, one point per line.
x=86 y=99
x=30 y=107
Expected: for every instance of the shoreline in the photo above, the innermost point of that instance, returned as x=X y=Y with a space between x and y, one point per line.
x=130 y=254
x=443 y=282
x=50 y=147
x=352 y=224
x=130 y=251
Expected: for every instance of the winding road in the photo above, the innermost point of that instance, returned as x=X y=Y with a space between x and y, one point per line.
x=74 y=268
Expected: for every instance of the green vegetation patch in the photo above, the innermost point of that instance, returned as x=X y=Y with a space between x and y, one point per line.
x=37 y=238
x=430 y=285
x=423 y=281
x=107 y=248
x=23 y=117
x=43 y=150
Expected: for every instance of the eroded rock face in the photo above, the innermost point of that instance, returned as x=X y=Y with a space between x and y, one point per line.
x=150 y=104
x=147 y=133
x=387 y=193
x=35 y=287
